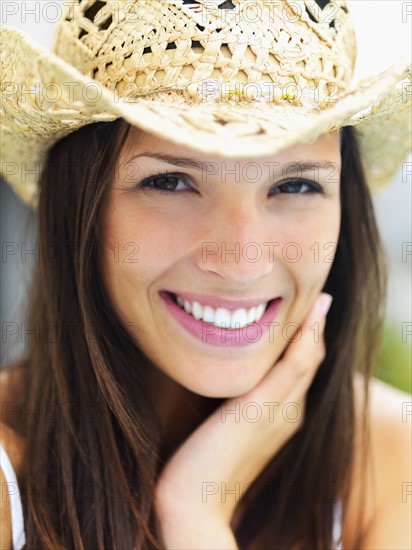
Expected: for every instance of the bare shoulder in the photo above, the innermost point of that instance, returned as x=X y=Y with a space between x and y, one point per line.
x=10 y=385
x=11 y=398
x=14 y=446
x=385 y=469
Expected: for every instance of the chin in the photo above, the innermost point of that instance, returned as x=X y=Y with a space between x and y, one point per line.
x=223 y=388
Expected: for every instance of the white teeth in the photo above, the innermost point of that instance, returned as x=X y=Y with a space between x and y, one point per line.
x=239 y=318
x=208 y=315
x=251 y=315
x=197 y=310
x=221 y=316
x=260 y=310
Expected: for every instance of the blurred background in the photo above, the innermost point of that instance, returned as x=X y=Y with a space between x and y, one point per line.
x=384 y=33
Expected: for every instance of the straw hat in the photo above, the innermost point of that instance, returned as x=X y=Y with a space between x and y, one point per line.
x=231 y=78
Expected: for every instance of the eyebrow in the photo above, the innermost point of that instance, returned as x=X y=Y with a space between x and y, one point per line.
x=169 y=159
x=304 y=166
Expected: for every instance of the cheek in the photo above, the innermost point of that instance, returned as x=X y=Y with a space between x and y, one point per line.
x=140 y=243
x=308 y=241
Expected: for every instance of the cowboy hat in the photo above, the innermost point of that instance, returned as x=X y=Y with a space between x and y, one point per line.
x=229 y=78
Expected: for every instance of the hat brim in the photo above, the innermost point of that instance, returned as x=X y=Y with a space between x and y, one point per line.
x=380 y=107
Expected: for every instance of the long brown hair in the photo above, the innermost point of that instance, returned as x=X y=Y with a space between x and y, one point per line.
x=94 y=449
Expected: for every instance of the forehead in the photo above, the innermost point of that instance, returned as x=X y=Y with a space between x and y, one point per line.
x=326 y=147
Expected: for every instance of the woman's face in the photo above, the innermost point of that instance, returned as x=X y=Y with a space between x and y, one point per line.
x=244 y=246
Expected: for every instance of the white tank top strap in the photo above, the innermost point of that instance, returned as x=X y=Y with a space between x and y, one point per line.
x=16 y=509
x=337 y=525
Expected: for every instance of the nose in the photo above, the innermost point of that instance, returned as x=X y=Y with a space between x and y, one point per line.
x=237 y=246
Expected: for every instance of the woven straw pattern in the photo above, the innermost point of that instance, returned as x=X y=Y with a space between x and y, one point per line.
x=137 y=47
x=109 y=48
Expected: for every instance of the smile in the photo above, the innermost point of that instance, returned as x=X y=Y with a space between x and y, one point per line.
x=222 y=326
x=221 y=316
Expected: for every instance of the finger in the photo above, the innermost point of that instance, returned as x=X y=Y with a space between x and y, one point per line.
x=291 y=376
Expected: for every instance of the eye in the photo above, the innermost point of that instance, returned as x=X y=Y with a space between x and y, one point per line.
x=297 y=186
x=165 y=183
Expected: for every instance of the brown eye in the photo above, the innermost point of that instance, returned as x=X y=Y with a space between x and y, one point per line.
x=297 y=186
x=166 y=183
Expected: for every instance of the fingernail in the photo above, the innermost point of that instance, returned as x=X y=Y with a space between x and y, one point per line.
x=323 y=303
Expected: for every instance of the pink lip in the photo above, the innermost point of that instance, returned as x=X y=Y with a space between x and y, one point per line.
x=215 y=336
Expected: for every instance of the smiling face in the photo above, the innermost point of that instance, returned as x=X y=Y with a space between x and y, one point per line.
x=243 y=244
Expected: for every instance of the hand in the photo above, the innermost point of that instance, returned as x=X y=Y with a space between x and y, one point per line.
x=229 y=450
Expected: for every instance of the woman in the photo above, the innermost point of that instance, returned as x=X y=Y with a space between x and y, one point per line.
x=191 y=393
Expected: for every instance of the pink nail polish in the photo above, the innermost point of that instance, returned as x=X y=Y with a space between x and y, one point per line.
x=323 y=303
